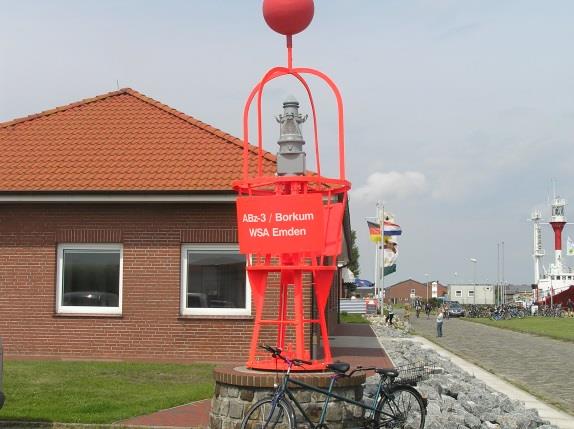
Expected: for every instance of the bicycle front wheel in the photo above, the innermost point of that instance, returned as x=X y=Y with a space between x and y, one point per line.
x=403 y=407
x=269 y=414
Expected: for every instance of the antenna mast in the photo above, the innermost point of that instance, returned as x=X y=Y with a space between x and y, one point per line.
x=538 y=251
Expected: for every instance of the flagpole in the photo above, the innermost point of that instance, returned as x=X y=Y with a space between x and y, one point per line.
x=377 y=257
x=382 y=244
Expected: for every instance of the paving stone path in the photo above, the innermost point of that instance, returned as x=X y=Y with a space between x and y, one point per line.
x=543 y=365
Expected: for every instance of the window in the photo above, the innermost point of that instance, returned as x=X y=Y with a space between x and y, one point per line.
x=213 y=281
x=470 y=293
x=89 y=278
x=458 y=293
x=413 y=291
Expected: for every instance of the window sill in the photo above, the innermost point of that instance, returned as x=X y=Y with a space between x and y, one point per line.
x=215 y=317
x=97 y=315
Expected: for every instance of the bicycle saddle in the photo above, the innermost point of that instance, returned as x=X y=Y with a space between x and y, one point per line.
x=340 y=367
x=389 y=372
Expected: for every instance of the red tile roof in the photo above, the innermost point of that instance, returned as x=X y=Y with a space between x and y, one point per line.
x=120 y=141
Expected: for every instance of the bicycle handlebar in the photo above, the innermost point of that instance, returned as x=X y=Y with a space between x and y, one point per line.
x=276 y=353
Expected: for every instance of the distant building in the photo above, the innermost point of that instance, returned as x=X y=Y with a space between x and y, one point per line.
x=472 y=293
x=409 y=290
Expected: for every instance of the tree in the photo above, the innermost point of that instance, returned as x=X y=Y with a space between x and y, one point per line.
x=354 y=257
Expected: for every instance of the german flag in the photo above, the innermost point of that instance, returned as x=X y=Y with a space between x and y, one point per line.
x=374 y=231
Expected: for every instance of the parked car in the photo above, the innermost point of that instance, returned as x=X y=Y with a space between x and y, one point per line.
x=455 y=309
x=91 y=299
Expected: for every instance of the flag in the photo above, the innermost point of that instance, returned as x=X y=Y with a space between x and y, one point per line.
x=390 y=255
x=392 y=229
x=390 y=270
x=374 y=231
x=390 y=242
x=390 y=252
x=569 y=247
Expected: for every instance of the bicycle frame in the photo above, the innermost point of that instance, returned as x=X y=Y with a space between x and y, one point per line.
x=284 y=390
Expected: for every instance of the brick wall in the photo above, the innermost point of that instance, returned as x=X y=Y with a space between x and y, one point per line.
x=401 y=292
x=151 y=326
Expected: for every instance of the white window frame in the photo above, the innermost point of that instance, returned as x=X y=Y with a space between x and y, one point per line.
x=458 y=293
x=199 y=248
x=78 y=309
x=471 y=293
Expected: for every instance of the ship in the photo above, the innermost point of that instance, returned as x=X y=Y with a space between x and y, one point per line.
x=555 y=284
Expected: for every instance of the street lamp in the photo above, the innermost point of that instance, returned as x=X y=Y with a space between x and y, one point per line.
x=474 y=262
x=427 y=285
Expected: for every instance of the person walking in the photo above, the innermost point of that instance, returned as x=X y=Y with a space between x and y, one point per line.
x=439 y=320
x=390 y=314
x=428 y=309
x=570 y=306
x=418 y=308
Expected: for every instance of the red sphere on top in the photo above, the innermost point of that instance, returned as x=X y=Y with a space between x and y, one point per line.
x=288 y=17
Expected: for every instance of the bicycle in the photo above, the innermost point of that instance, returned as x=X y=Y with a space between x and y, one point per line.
x=395 y=405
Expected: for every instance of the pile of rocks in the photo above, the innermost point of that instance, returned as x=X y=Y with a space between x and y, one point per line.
x=400 y=328
x=455 y=398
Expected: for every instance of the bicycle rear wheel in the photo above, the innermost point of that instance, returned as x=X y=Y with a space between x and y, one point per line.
x=267 y=414
x=402 y=408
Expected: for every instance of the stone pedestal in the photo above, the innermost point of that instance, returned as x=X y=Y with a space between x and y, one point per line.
x=238 y=388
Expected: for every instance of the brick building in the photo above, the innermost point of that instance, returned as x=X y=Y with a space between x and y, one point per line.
x=118 y=235
x=408 y=290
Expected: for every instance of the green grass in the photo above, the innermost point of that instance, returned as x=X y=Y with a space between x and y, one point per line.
x=99 y=392
x=557 y=328
x=352 y=318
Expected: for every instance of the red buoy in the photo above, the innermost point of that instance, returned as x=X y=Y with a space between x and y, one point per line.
x=288 y=17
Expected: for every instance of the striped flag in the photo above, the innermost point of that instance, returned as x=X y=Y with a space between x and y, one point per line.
x=374 y=231
x=392 y=229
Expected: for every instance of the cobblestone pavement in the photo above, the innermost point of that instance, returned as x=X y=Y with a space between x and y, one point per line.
x=542 y=365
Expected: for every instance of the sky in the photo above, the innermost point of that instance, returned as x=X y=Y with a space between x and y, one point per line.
x=459 y=115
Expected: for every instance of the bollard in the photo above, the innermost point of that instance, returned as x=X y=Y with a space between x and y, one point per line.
x=1 y=369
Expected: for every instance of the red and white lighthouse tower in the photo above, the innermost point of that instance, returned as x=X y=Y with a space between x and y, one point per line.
x=556 y=284
x=557 y=221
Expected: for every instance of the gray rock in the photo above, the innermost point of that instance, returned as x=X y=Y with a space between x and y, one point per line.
x=370 y=389
x=515 y=420
x=455 y=398
x=433 y=409
x=472 y=421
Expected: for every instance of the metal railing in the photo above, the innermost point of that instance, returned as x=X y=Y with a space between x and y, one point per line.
x=353 y=306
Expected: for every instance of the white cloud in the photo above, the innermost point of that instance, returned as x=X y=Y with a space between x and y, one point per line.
x=391 y=185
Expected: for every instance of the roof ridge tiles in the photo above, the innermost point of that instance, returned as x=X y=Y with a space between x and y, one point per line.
x=187 y=118
x=62 y=108
x=127 y=142
x=196 y=122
